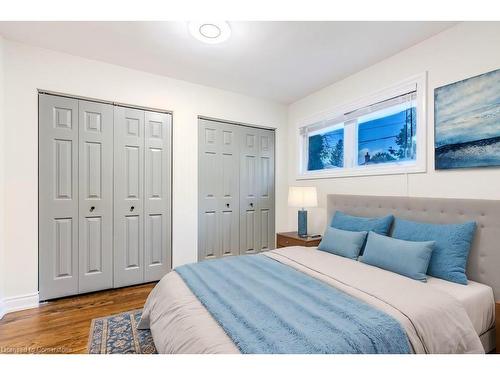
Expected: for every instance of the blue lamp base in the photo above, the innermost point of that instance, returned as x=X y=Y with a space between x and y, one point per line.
x=302 y=223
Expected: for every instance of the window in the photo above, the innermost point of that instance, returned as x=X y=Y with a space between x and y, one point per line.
x=388 y=135
x=382 y=134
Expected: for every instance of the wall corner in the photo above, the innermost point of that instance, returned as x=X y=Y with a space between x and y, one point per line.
x=2 y=181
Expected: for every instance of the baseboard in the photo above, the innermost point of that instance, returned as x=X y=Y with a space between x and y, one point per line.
x=16 y=303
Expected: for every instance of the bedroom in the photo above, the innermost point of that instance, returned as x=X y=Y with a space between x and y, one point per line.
x=189 y=152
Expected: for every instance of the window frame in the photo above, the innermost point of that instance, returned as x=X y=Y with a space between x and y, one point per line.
x=351 y=168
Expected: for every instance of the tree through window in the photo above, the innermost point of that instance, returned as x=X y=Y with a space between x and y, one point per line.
x=326 y=150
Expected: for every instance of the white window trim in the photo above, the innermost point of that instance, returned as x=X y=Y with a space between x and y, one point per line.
x=350 y=168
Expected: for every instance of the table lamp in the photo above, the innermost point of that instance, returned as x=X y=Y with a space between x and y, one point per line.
x=302 y=197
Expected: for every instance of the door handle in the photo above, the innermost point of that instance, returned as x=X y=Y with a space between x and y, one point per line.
x=227 y=205
x=92 y=209
x=132 y=208
x=251 y=204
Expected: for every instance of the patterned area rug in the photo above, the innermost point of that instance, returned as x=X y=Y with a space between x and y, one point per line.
x=118 y=334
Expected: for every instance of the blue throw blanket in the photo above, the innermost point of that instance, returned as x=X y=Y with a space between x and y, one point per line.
x=265 y=306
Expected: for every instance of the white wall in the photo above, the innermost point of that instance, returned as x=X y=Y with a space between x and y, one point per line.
x=28 y=68
x=463 y=51
x=2 y=126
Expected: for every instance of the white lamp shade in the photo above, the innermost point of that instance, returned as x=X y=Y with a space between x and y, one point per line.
x=302 y=196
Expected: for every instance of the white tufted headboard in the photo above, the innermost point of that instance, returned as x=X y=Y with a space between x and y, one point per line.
x=484 y=260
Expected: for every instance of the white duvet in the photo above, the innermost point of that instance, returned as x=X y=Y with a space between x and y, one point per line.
x=434 y=321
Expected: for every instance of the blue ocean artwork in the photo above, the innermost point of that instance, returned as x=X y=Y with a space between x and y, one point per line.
x=467 y=122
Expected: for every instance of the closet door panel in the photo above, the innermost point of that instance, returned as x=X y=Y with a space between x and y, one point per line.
x=95 y=196
x=132 y=243
x=157 y=211
x=249 y=190
x=58 y=196
x=266 y=210
x=209 y=175
x=208 y=232
x=128 y=252
x=218 y=190
x=229 y=203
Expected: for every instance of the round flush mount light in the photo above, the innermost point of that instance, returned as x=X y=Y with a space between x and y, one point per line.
x=211 y=32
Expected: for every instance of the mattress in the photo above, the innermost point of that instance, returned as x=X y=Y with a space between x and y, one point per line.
x=434 y=320
x=476 y=298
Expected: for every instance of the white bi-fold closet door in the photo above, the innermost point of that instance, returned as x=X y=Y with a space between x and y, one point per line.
x=96 y=161
x=142 y=229
x=236 y=189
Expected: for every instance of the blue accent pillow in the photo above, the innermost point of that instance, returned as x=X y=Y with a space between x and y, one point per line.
x=453 y=242
x=342 y=242
x=380 y=225
x=407 y=258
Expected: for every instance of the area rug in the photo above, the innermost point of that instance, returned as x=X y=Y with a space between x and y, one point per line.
x=118 y=334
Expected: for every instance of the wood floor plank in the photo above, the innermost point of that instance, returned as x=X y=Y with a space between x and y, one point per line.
x=62 y=326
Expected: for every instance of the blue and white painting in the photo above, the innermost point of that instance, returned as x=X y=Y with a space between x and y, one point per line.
x=467 y=122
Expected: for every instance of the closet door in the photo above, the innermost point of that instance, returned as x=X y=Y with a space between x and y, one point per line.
x=95 y=196
x=229 y=205
x=157 y=212
x=128 y=196
x=218 y=162
x=249 y=190
x=257 y=190
x=265 y=180
x=58 y=196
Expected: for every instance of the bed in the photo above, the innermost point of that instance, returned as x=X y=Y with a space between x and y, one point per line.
x=434 y=317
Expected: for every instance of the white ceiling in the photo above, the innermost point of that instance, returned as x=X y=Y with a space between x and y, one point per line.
x=281 y=61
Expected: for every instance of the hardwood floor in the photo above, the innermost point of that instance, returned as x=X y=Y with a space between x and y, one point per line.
x=62 y=326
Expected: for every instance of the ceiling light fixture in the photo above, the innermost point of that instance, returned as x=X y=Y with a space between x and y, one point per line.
x=211 y=32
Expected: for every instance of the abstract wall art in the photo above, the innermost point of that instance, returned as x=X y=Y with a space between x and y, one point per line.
x=467 y=122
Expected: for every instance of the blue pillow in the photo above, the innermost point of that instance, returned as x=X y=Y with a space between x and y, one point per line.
x=407 y=258
x=453 y=242
x=380 y=225
x=342 y=242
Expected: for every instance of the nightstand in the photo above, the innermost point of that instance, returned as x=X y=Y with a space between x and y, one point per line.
x=285 y=239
